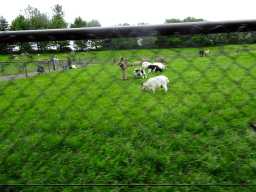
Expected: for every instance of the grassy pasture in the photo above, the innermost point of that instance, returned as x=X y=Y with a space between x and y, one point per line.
x=88 y=126
x=15 y=68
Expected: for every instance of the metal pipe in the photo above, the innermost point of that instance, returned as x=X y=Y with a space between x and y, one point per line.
x=185 y=28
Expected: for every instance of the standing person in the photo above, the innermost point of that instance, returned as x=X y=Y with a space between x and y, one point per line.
x=201 y=52
x=55 y=62
x=69 y=63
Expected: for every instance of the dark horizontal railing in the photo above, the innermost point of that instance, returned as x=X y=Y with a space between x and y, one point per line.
x=203 y=27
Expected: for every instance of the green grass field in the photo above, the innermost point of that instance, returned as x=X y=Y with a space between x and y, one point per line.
x=86 y=126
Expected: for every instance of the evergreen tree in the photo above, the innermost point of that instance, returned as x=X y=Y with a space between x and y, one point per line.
x=58 y=22
x=4 y=26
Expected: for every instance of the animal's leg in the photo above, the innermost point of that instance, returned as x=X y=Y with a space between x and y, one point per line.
x=141 y=75
x=165 y=88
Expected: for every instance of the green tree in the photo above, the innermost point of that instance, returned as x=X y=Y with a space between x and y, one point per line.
x=21 y=23
x=128 y=43
x=94 y=43
x=93 y=23
x=111 y=44
x=121 y=43
x=172 y=20
x=38 y=20
x=182 y=40
x=169 y=41
x=4 y=26
x=79 y=22
x=193 y=40
x=58 y=22
x=192 y=19
x=146 y=42
x=131 y=42
x=79 y=44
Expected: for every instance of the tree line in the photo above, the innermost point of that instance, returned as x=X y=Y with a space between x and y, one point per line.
x=32 y=19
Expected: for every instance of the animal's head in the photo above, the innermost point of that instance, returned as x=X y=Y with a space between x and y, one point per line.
x=142 y=86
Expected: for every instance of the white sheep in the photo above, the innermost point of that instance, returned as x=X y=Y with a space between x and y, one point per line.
x=156 y=82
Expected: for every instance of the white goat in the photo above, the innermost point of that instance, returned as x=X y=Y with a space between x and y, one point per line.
x=73 y=66
x=139 y=72
x=145 y=64
x=156 y=82
x=206 y=52
x=154 y=68
x=160 y=65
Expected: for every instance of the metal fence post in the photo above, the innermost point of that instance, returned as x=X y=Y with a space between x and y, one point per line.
x=25 y=68
x=48 y=66
x=2 y=67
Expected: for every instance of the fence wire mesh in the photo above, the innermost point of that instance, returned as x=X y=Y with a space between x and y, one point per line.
x=89 y=126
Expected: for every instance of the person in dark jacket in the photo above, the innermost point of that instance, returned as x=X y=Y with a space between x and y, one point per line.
x=69 y=63
x=201 y=53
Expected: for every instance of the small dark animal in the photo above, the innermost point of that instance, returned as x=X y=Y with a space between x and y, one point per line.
x=31 y=56
x=201 y=53
x=40 y=70
x=154 y=68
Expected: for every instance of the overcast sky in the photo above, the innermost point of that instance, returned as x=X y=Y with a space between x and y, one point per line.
x=113 y=12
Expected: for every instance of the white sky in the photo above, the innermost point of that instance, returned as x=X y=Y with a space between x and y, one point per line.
x=113 y=12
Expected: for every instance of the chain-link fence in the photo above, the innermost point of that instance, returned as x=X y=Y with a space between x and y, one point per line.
x=87 y=128
x=29 y=68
